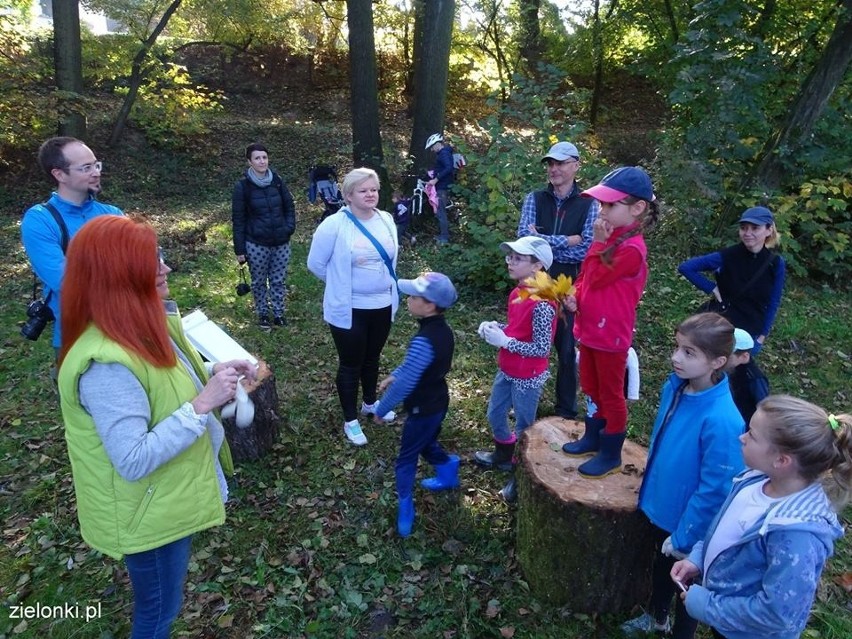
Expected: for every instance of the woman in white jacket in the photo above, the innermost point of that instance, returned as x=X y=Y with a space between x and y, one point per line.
x=354 y=252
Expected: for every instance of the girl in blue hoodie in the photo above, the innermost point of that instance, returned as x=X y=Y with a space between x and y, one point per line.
x=764 y=553
x=693 y=456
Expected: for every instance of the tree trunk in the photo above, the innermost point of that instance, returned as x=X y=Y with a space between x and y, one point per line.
x=254 y=441
x=530 y=35
x=597 y=47
x=581 y=543
x=137 y=75
x=68 y=66
x=433 y=29
x=366 y=137
x=810 y=102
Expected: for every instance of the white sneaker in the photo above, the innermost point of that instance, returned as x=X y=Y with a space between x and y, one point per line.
x=354 y=433
x=645 y=623
x=367 y=409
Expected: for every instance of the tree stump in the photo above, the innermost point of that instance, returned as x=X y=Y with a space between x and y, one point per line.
x=581 y=542
x=252 y=442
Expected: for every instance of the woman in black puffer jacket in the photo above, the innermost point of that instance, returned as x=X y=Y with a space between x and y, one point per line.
x=264 y=218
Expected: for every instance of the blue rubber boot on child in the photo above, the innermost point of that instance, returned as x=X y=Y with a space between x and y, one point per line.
x=446 y=476
x=608 y=459
x=590 y=442
x=405 y=516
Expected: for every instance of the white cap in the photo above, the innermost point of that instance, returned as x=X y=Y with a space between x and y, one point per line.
x=742 y=340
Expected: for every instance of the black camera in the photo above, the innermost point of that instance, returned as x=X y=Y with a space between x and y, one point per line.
x=39 y=315
x=243 y=289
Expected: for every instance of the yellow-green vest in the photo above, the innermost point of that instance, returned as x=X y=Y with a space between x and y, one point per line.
x=181 y=497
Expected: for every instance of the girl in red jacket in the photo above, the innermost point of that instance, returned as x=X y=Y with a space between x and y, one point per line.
x=609 y=287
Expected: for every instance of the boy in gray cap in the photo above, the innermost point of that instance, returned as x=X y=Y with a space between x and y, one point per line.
x=420 y=382
x=524 y=343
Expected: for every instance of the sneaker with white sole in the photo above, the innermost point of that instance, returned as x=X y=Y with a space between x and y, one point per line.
x=354 y=433
x=645 y=624
x=367 y=409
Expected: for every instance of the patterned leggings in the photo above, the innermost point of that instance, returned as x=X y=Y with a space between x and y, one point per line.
x=268 y=268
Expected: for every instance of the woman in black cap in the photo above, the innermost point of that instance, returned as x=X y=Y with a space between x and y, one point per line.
x=748 y=277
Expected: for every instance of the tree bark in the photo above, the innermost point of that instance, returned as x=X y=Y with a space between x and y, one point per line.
x=433 y=29
x=597 y=47
x=137 y=74
x=530 y=34
x=809 y=103
x=582 y=543
x=254 y=441
x=366 y=136
x=68 y=66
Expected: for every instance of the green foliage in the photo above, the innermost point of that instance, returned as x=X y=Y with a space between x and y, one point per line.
x=28 y=104
x=498 y=177
x=818 y=221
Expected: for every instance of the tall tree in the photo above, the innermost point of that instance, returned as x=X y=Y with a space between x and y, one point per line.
x=366 y=137
x=68 y=65
x=137 y=70
x=810 y=101
x=530 y=45
x=433 y=30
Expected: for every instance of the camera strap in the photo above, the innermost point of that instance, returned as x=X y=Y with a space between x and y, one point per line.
x=63 y=243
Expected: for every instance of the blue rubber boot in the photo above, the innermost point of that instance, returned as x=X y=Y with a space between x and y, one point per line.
x=590 y=442
x=405 y=516
x=608 y=459
x=446 y=476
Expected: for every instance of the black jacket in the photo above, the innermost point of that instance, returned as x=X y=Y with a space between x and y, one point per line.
x=262 y=215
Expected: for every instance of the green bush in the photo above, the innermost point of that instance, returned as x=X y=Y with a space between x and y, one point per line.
x=816 y=224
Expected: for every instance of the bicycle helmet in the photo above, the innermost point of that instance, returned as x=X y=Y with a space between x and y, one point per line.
x=434 y=138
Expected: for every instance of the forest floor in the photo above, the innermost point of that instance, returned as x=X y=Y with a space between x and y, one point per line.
x=309 y=548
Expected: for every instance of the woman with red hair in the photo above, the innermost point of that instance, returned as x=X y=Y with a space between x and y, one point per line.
x=148 y=452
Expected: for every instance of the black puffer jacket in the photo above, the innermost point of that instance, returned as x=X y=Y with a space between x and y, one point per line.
x=262 y=215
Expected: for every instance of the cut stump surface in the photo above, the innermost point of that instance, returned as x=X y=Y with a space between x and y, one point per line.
x=581 y=542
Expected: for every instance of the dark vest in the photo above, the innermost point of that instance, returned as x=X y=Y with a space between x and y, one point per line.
x=747 y=307
x=431 y=394
x=568 y=220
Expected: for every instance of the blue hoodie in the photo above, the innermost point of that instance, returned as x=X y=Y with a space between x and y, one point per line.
x=763 y=586
x=694 y=454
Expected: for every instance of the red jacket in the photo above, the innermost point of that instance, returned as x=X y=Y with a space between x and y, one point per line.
x=607 y=294
x=520 y=326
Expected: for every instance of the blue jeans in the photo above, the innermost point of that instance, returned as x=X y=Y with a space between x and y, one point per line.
x=419 y=437
x=443 y=222
x=157 y=577
x=505 y=395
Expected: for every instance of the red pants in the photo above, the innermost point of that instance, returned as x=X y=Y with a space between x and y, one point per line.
x=602 y=379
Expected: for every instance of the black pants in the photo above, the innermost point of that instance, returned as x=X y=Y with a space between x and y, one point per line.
x=663 y=589
x=358 y=351
x=566 y=372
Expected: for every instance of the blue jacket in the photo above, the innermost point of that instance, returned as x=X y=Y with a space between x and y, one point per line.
x=42 y=241
x=694 y=454
x=444 y=168
x=763 y=586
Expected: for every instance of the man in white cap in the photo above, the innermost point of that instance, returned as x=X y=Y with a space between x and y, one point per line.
x=566 y=221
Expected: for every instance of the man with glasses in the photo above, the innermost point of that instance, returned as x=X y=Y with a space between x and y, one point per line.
x=78 y=180
x=560 y=216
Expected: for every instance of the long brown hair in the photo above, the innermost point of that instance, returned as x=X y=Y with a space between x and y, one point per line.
x=111 y=281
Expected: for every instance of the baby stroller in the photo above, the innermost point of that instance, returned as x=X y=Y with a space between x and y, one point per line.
x=322 y=181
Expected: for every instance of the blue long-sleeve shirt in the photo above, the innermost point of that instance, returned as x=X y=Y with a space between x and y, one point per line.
x=42 y=241
x=417 y=359
x=444 y=170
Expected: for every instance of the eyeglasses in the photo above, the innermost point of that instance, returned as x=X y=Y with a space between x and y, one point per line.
x=514 y=258
x=89 y=168
x=551 y=162
x=160 y=255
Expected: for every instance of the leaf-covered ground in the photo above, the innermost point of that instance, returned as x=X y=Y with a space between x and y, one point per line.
x=309 y=548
